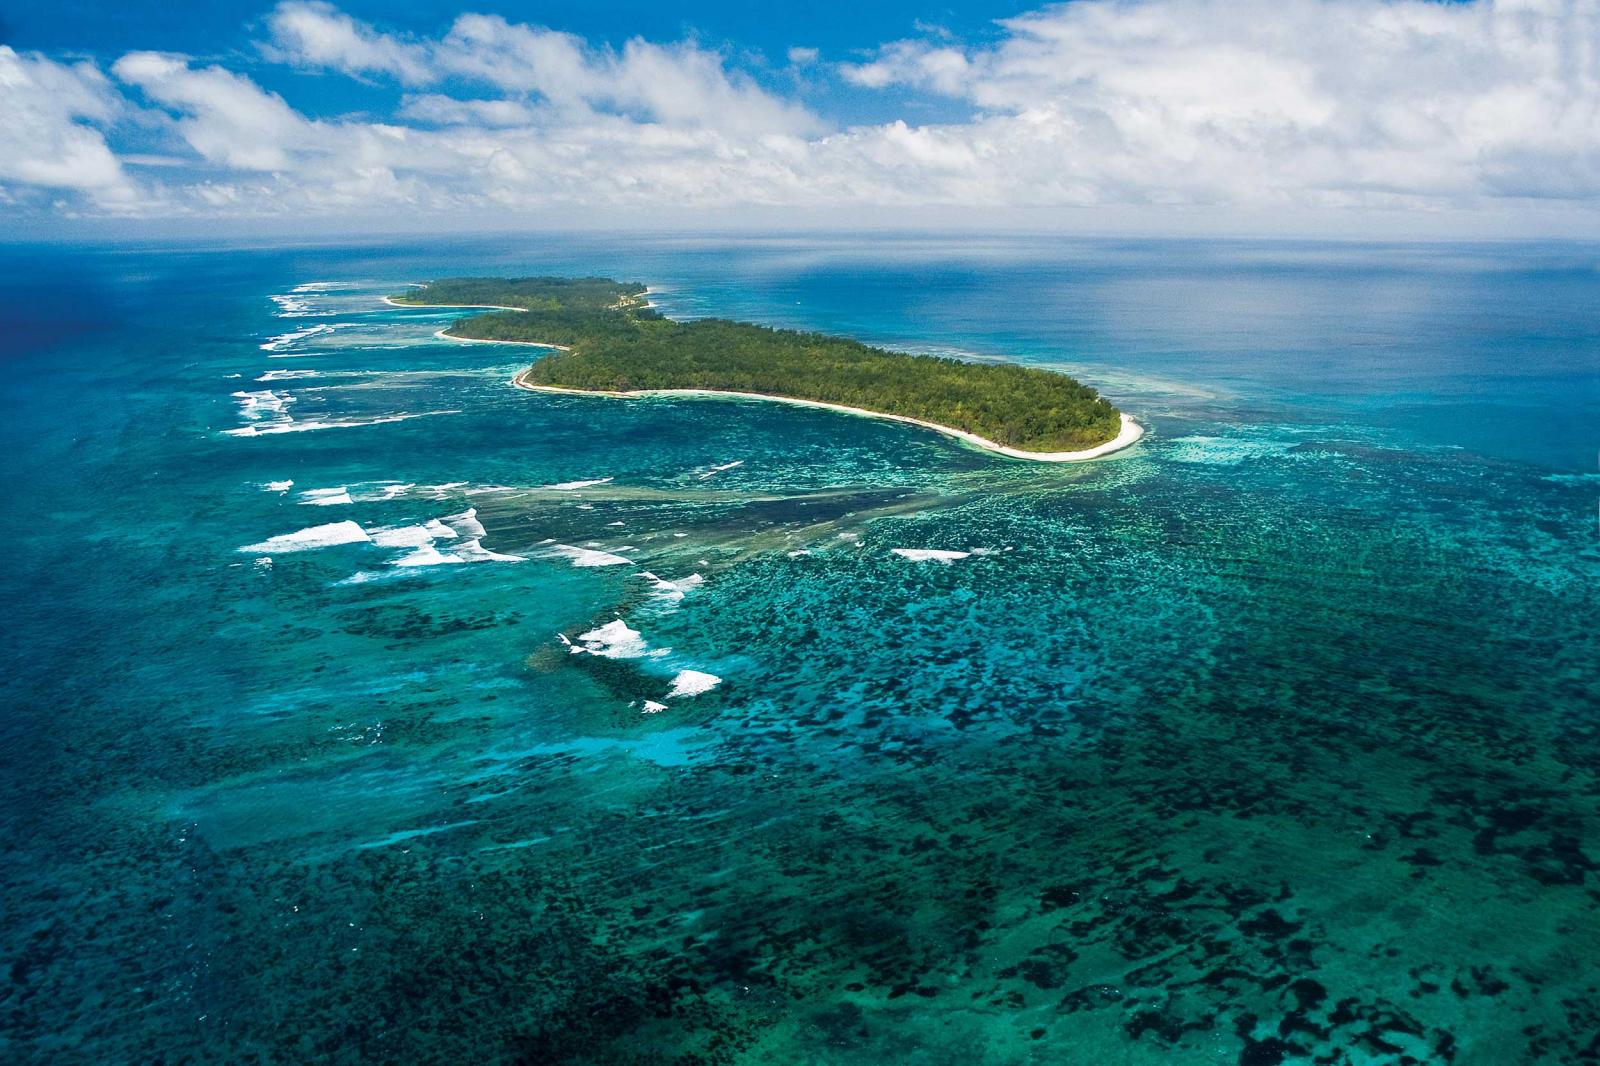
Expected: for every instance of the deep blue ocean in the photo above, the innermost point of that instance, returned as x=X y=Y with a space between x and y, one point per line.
x=359 y=707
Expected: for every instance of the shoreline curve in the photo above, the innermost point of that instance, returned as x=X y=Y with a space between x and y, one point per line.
x=442 y=335
x=483 y=307
x=1130 y=433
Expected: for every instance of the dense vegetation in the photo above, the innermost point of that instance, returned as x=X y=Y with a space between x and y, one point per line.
x=618 y=344
x=555 y=295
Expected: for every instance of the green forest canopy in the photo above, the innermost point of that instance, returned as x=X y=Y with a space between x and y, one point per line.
x=619 y=344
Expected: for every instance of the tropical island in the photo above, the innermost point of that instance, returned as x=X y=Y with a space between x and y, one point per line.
x=607 y=340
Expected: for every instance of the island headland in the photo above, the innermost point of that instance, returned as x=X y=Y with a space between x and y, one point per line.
x=606 y=340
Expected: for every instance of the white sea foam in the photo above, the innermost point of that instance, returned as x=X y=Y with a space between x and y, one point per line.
x=263 y=404
x=287 y=375
x=652 y=707
x=312 y=537
x=466 y=523
x=420 y=539
x=427 y=555
x=437 y=528
x=615 y=640
x=474 y=552
x=568 y=485
x=588 y=556
x=291 y=426
x=437 y=492
x=692 y=683
x=280 y=487
x=720 y=469
x=325 y=497
x=671 y=591
x=401 y=536
x=362 y=577
x=378 y=491
x=288 y=425
x=923 y=555
x=296 y=305
x=284 y=340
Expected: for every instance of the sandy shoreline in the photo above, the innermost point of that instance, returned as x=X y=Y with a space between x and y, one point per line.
x=1131 y=430
x=442 y=335
x=643 y=299
x=445 y=307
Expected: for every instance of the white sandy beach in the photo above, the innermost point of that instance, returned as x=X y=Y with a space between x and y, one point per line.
x=1131 y=430
x=445 y=307
x=643 y=298
x=442 y=335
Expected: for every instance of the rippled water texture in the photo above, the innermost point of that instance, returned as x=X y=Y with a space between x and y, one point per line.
x=360 y=707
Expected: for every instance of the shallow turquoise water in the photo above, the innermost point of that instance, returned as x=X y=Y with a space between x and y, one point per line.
x=1270 y=740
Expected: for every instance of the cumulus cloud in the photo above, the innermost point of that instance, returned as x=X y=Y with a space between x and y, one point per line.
x=436 y=108
x=942 y=69
x=48 y=138
x=678 y=84
x=1210 y=105
x=315 y=34
x=226 y=117
x=1293 y=100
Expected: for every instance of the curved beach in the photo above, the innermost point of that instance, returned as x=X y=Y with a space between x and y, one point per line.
x=483 y=307
x=1131 y=431
x=1128 y=434
x=442 y=335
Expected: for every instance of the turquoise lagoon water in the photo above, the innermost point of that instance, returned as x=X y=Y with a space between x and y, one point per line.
x=1273 y=739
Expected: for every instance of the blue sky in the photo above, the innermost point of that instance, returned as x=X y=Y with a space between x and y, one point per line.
x=220 y=26
x=758 y=36
x=1398 y=117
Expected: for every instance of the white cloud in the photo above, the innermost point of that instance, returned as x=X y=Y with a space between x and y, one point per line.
x=1294 y=101
x=521 y=59
x=47 y=138
x=941 y=69
x=226 y=117
x=315 y=34
x=437 y=109
x=681 y=84
x=1190 y=105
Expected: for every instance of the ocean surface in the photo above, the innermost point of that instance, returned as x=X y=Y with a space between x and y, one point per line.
x=359 y=707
